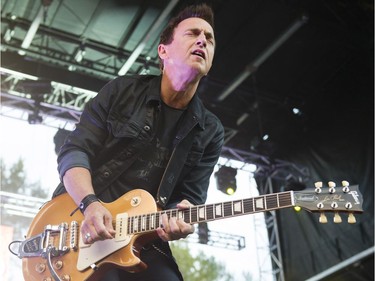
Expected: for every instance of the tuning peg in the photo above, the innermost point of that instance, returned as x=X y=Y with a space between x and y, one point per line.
x=351 y=218
x=345 y=186
x=318 y=186
x=323 y=218
x=337 y=218
x=332 y=186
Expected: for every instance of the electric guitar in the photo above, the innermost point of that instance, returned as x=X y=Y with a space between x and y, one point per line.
x=54 y=250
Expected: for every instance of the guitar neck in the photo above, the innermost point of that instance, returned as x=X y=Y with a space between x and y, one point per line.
x=211 y=212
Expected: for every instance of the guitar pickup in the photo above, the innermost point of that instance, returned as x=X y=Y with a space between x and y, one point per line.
x=121 y=227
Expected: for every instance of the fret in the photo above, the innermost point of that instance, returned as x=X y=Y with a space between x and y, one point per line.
x=248 y=205
x=139 y=223
x=201 y=213
x=180 y=215
x=228 y=211
x=210 y=212
x=187 y=215
x=157 y=219
x=285 y=199
x=132 y=225
x=173 y=214
x=149 y=226
x=152 y=221
x=218 y=210
x=194 y=214
x=237 y=207
x=259 y=204
x=135 y=224
x=143 y=220
x=272 y=201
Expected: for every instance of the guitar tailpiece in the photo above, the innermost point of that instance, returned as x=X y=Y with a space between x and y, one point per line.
x=50 y=266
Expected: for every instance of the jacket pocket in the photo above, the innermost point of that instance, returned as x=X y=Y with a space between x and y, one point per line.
x=124 y=129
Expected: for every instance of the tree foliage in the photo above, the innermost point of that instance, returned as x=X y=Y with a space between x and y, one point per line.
x=199 y=267
x=14 y=180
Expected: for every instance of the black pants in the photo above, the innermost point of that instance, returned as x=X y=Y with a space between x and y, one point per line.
x=160 y=262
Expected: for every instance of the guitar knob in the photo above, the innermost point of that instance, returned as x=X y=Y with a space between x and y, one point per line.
x=345 y=186
x=334 y=205
x=331 y=186
x=348 y=205
x=40 y=267
x=337 y=218
x=320 y=205
x=65 y=277
x=318 y=186
x=323 y=218
x=345 y=183
x=351 y=218
x=58 y=265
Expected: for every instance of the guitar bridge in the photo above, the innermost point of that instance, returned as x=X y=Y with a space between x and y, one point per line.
x=52 y=240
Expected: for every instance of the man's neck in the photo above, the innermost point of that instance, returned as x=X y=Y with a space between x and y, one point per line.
x=177 y=93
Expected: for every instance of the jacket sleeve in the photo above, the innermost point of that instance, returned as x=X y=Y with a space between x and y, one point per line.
x=89 y=136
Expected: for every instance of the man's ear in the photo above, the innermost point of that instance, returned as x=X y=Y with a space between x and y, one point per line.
x=162 y=51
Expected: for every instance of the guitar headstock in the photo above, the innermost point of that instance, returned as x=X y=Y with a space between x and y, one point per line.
x=346 y=198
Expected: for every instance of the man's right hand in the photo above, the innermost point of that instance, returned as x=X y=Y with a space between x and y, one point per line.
x=97 y=224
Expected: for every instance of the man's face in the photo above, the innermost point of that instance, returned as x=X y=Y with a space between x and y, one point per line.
x=192 y=48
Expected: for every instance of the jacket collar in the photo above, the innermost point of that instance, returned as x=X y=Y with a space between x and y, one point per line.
x=195 y=109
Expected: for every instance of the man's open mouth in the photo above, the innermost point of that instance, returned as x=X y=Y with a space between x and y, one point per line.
x=199 y=53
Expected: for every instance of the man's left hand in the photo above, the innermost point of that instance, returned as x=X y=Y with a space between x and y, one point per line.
x=175 y=228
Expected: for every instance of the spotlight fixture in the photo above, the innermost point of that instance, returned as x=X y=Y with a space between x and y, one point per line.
x=9 y=33
x=226 y=180
x=35 y=118
x=80 y=53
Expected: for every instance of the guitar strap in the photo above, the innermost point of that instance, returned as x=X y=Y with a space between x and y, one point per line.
x=173 y=169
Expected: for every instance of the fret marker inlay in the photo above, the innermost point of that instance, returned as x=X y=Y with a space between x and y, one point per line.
x=259 y=203
x=238 y=207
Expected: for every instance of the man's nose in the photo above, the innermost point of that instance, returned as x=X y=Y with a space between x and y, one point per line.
x=202 y=40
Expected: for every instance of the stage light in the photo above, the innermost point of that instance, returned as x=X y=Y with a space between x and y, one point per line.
x=80 y=52
x=8 y=34
x=226 y=180
x=297 y=208
x=35 y=117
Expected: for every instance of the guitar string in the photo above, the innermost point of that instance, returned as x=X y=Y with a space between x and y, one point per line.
x=151 y=221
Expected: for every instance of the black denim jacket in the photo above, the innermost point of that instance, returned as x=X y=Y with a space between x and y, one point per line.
x=121 y=119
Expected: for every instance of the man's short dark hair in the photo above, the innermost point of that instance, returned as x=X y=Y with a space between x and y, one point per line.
x=202 y=11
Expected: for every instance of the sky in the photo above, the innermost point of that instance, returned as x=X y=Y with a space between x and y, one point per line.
x=34 y=145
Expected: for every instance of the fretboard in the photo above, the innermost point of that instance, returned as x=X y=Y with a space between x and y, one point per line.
x=203 y=213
